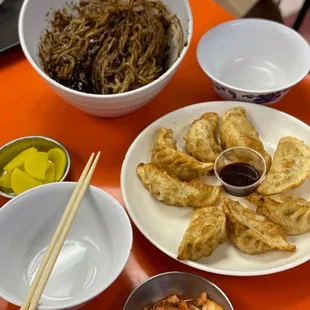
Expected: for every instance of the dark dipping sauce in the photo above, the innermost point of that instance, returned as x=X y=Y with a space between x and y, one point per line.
x=239 y=174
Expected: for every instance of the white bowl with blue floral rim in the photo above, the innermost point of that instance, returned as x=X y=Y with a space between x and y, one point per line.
x=253 y=60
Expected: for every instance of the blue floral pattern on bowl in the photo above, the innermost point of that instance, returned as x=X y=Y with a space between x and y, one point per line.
x=264 y=98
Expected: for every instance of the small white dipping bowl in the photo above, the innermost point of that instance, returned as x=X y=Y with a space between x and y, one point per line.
x=253 y=60
x=94 y=254
x=33 y=21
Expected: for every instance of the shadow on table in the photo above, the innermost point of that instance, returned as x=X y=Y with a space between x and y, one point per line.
x=10 y=56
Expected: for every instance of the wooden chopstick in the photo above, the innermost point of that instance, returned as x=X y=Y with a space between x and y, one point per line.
x=56 y=236
x=54 y=248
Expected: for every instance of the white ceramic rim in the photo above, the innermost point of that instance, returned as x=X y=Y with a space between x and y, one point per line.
x=79 y=302
x=239 y=188
x=172 y=255
x=262 y=21
x=164 y=274
x=187 y=41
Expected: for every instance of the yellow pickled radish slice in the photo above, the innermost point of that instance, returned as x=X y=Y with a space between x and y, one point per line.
x=5 y=180
x=50 y=174
x=19 y=160
x=21 y=167
x=21 y=181
x=36 y=165
x=58 y=157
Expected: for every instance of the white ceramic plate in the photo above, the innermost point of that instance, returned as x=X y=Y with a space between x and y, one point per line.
x=165 y=225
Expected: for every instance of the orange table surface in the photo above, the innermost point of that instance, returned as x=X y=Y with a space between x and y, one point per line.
x=29 y=107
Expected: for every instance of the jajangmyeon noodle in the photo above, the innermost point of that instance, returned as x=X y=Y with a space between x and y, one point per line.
x=107 y=46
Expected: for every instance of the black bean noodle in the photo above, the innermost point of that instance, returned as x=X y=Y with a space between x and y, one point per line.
x=107 y=46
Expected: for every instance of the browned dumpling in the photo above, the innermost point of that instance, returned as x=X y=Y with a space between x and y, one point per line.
x=176 y=163
x=165 y=138
x=201 y=140
x=289 y=211
x=207 y=229
x=245 y=239
x=237 y=130
x=253 y=233
x=179 y=164
x=290 y=167
x=174 y=192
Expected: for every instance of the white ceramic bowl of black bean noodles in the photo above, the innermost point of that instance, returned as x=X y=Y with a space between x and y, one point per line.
x=33 y=21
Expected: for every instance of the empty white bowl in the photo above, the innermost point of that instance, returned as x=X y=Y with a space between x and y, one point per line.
x=94 y=254
x=33 y=21
x=253 y=60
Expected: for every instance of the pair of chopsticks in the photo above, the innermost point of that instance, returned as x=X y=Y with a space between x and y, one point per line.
x=54 y=248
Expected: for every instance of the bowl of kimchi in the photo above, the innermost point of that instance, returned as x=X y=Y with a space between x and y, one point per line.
x=175 y=291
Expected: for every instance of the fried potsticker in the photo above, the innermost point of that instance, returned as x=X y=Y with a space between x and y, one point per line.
x=253 y=233
x=290 y=167
x=289 y=211
x=175 y=192
x=237 y=130
x=165 y=138
x=207 y=229
x=176 y=163
x=201 y=140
